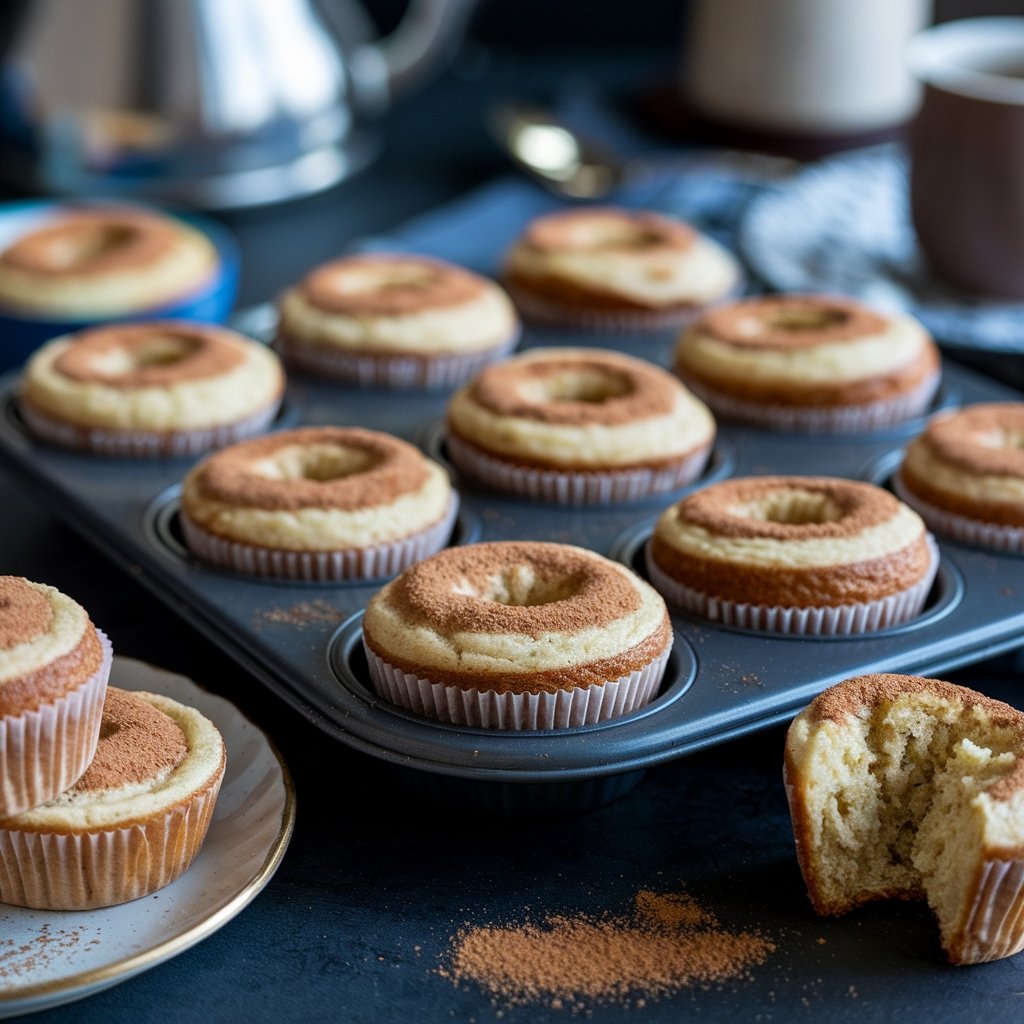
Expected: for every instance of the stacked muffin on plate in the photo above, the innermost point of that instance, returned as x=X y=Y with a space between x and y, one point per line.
x=105 y=795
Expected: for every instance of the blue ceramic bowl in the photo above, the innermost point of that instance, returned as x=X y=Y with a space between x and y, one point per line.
x=21 y=335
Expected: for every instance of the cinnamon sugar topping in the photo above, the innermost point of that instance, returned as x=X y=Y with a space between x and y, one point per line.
x=387 y=285
x=138 y=743
x=92 y=242
x=788 y=508
x=987 y=438
x=314 y=467
x=25 y=612
x=527 y=588
x=575 y=387
x=790 y=321
x=608 y=229
x=150 y=355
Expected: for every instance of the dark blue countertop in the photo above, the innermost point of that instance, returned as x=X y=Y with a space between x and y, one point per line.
x=360 y=915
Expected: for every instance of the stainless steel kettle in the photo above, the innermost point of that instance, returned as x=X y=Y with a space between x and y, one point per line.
x=215 y=103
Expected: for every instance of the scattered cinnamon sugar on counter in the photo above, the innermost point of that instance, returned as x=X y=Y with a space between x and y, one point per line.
x=301 y=615
x=20 y=958
x=667 y=942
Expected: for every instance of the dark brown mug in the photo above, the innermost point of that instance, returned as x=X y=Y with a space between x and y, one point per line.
x=967 y=153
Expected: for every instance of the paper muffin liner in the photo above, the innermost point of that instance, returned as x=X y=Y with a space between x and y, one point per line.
x=371 y=562
x=833 y=620
x=994 y=924
x=145 y=444
x=441 y=372
x=546 y=312
x=83 y=870
x=975 y=532
x=568 y=487
x=840 y=419
x=45 y=751
x=488 y=709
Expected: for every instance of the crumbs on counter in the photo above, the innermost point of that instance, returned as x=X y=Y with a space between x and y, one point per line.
x=666 y=942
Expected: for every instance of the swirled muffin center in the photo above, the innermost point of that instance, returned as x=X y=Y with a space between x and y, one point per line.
x=139 y=745
x=607 y=231
x=88 y=243
x=25 y=613
x=790 y=322
x=388 y=287
x=143 y=355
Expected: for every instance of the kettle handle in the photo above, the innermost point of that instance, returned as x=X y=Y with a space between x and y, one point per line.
x=423 y=41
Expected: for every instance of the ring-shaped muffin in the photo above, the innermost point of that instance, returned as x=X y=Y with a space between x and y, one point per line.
x=517 y=635
x=395 y=321
x=965 y=475
x=318 y=503
x=809 y=363
x=104 y=261
x=54 y=665
x=579 y=426
x=131 y=824
x=150 y=389
x=609 y=268
x=815 y=555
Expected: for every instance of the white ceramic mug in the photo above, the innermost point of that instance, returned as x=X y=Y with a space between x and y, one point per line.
x=803 y=67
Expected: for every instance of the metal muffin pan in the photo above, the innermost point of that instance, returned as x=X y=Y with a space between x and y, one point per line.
x=303 y=640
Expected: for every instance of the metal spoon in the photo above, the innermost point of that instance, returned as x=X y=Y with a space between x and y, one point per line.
x=575 y=167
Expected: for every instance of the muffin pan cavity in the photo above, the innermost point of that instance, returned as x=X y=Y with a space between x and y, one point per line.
x=162 y=525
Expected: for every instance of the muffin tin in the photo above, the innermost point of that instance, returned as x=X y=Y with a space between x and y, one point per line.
x=302 y=639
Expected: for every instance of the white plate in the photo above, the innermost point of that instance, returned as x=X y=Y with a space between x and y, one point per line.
x=48 y=958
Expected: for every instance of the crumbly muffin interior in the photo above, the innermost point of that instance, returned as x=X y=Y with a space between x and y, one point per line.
x=895 y=800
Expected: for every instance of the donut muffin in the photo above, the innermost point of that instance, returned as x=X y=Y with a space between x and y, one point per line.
x=792 y=554
x=395 y=321
x=579 y=426
x=54 y=665
x=104 y=261
x=318 y=503
x=965 y=475
x=614 y=268
x=903 y=788
x=131 y=824
x=809 y=363
x=517 y=635
x=150 y=389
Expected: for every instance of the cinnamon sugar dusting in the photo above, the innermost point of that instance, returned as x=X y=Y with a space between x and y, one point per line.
x=986 y=438
x=665 y=943
x=507 y=586
x=150 y=355
x=137 y=743
x=790 y=321
x=25 y=612
x=576 y=387
x=89 y=242
x=353 y=469
x=788 y=507
x=608 y=229
x=389 y=285
x=28 y=956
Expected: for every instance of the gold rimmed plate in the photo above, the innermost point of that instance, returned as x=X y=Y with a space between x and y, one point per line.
x=48 y=958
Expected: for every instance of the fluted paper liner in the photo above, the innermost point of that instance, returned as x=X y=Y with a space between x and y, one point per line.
x=145 y=444
x=835 y=620
x=488 y=709
x=993 y=927
x=45 y=751
x=567 y=487
x=840 y=419
x=975 y=532
x=549 y=313
x=372 y=562
x=428 y=372
x=88 y=869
